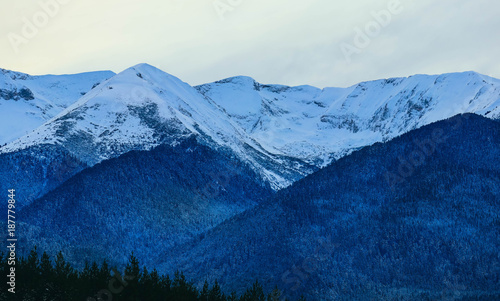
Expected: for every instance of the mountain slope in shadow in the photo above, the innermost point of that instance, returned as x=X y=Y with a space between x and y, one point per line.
x=417 y=217
x=142 y=201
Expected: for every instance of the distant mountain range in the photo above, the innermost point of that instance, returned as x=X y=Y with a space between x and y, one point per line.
x=388 y=188
x=284 y=133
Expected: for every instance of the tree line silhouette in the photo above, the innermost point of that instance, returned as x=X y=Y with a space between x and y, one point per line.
x=41 y=278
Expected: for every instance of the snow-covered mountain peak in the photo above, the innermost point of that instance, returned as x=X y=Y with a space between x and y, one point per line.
x=154 y=75
x=121 y=110
x=240 y=80
x=137 y=85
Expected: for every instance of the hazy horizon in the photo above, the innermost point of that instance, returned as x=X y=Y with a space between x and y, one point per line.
x=316 y=43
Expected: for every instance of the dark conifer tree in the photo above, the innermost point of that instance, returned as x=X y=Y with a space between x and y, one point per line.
x=275 y=295
x=255 y=293
x=204 y=292
x=215 y=293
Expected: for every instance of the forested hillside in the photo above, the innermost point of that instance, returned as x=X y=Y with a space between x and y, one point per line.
x=417 y=217
x=143 y=201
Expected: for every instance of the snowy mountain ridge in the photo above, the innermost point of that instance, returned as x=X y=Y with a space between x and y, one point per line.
x=284 y=132
x=312 y=124
x=26 y=101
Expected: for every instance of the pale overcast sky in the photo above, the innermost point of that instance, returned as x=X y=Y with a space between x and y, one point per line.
x=289 y=42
